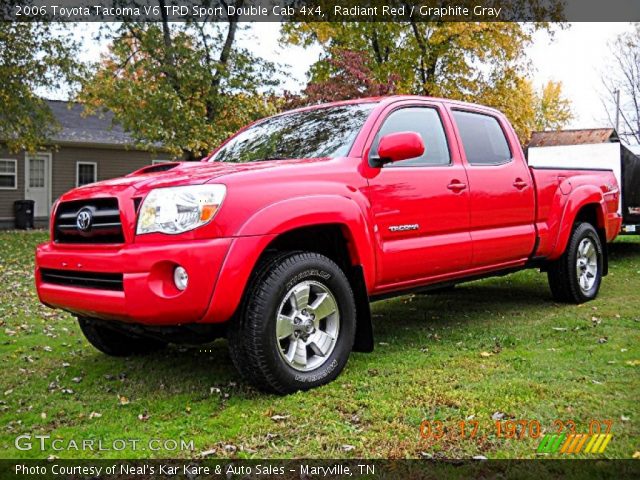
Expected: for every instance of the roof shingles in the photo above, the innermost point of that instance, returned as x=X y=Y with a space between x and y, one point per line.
x=76 y=127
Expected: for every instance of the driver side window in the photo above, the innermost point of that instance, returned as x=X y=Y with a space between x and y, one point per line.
x=426 y=122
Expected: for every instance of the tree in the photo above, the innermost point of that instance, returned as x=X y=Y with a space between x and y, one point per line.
x=185 y=86
x=350 y=77
x=483 y=62
x=553 y=111
x=623 y=76
x=33 y=56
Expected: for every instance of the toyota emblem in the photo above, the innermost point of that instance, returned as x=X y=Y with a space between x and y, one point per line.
x=83 y=220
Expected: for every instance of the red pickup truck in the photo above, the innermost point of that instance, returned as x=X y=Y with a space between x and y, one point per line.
x=283 y=235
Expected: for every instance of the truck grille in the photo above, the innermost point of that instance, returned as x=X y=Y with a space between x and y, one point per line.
x=72 y=278
x=100 y=222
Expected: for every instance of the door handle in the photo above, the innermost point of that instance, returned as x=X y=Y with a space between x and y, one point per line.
x=520 y=184
x=456 y=186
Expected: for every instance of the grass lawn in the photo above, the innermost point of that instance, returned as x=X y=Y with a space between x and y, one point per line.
x=494 y=348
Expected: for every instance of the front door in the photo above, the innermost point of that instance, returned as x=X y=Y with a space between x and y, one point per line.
x=420 y=205
x=37 y=182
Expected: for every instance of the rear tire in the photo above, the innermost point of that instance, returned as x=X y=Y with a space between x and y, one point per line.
x=296 y=326
x=114 y=342
x=576 y=276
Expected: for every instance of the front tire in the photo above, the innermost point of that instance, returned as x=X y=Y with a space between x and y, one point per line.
x=114 y=342
x=576 y=276
x=296 y=326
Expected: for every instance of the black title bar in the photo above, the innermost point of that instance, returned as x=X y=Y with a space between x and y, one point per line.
x=320 y=10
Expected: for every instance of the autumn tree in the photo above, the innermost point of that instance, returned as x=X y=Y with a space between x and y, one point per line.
x=622 y=78
x=33 y=57
x=483 y=62
x=350 y=76
x=553 y=110
x=185 y=86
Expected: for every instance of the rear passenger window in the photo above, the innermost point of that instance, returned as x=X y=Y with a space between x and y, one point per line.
x=424 y=121
x=482 y=138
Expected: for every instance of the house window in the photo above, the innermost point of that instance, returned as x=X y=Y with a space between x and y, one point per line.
x=86 y=173
x=8 y=174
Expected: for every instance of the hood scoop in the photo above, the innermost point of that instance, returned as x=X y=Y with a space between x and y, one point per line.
x=160 y=167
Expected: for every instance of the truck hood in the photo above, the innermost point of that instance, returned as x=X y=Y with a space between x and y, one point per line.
x=192 y=173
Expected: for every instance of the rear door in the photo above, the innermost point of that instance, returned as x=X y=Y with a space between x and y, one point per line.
x=421 y=205
x=502 y=194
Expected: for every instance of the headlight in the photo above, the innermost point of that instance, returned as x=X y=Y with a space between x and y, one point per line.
x=179 y=209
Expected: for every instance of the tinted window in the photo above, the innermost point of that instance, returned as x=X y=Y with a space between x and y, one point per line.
x=424 y=121
x=322 y=132
x=483 y=139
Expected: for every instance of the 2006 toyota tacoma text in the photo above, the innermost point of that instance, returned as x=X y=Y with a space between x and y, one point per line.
x=283 y=235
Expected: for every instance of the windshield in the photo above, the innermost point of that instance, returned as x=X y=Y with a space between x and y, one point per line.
x=322 y=132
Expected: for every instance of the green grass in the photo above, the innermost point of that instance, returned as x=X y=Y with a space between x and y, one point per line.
x=547 y=361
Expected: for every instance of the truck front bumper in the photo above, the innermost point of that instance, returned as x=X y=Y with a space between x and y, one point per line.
x=133 y=282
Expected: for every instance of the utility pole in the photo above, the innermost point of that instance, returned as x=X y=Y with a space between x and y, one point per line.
x=617 y=95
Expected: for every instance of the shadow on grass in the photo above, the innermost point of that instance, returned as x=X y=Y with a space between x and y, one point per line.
x=184 y=370
x=621 y=250
x=463 y=305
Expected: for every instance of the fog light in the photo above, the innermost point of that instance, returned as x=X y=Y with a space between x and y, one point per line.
x=180 y=278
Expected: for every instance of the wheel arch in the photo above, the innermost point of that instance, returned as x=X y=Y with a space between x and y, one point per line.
x=334 y=226
x=585 y=203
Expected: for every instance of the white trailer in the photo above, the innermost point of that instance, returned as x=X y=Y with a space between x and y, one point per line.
x=593 y=149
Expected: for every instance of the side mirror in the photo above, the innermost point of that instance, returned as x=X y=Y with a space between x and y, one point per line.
x=399 y=146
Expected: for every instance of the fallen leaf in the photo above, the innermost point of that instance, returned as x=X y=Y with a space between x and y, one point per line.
x=93 y=415
x=602 y=340
x=624 y=419
x=230 y=448
x=143 y=417
x=559 y=329
x=208 y=453
x=122 y=400
x=279 y=418
x=486 y=354
x=480 y=457
x=636 y=455
x=633 y=363
x=43 y=415
x=498 y=416
x=348 y=448
x=76 y=379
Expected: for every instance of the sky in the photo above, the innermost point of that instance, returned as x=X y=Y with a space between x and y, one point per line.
x=575 y=56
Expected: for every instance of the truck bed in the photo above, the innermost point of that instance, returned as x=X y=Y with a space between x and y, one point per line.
x=554 y=186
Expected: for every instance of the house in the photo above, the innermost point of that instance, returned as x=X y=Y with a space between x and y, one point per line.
x=86 y=149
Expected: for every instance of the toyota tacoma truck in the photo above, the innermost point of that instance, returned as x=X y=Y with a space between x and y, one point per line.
x=283 y=235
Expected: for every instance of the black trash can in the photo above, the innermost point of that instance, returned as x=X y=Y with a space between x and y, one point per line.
x=23 y=213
